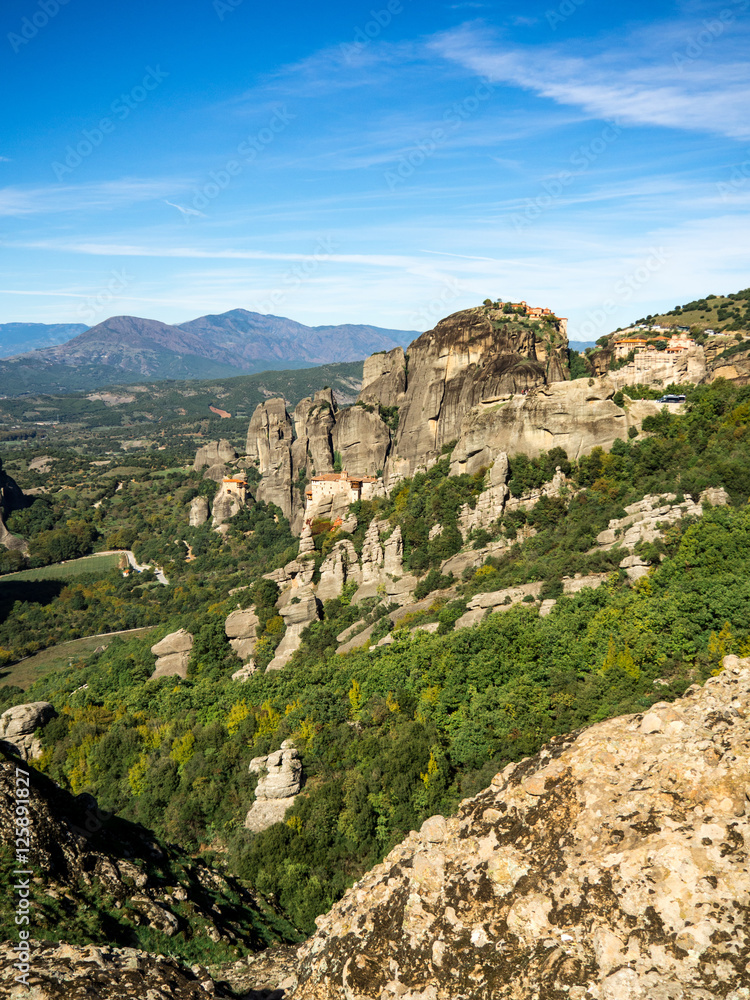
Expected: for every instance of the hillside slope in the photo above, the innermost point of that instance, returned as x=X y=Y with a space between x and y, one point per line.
x=126 y=349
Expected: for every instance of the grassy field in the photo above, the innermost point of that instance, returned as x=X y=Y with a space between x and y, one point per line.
x=100 y=564
x=25 y=672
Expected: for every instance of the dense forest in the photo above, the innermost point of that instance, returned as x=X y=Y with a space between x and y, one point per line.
x=388 y=734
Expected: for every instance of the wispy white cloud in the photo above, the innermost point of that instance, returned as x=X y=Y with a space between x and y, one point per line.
x=24 y=201
x=627 y=81
x=185 y=211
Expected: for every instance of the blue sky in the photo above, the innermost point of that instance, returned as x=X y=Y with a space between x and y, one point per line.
x=385 y=163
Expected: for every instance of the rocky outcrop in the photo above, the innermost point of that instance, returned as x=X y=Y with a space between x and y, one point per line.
x=646 y=519
x=339 y=568
x=69 y=972
x=226 y=504
x=301 y=610
x=11 y=498
x=384 y=378
x=214 y=453
x=613 y=865
x=575 y=416
x=362 y=440
x=470 y=359
x=199 y=512
x=19 y=726
x=241 y=628
x=314 y=423
x=173 y=655
x=86 y=856
x=277 y=788
x=382 y=570
x=269 y=446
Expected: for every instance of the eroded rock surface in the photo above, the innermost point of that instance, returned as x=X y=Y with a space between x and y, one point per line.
x=471 y=358
x=612 y=866
x=19 y=726
x=278 y=786
x=214 y=453
x=173 y=655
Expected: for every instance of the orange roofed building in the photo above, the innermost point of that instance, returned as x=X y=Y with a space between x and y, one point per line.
x=335 y=484
x=235 y=487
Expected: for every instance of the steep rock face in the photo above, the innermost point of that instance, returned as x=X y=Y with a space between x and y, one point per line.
x=19 y=725
x=214 y=453
x=575 y=416
x=301 y=610
x=11 y=498
x=173 y=655
x=82 y=855
x=339 y=568
x=199 y=512
x=279 y=785
x=362 y=440
x=384 y=378
x=314 y=422
x=613 y=866
x=226 y=505
x=241 y=628
x=269 y=445
x=469 y=358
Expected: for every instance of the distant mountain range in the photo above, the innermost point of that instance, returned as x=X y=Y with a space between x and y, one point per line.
x=127 y=349
x=17 y=337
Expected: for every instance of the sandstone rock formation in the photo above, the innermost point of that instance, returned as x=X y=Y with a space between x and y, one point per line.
x=384 y=378
x=470 y=359
x=84 y=852
x=613 y=865
x=173 y=655
x=11 y=498
x=314 y=423
x=300 y=611
x=646 y=519
x=241 y=628
x=214 y=453
x=279 y=785
x=19 y=725
x=339 y=568
x=269 y=445
x=362 y=440
x=226 y=504
x=575 y=416
x=199 y=511
x=382 y=571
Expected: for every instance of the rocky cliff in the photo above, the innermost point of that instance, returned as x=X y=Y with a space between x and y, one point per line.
x=470 y=359
x=11 y=498
x=102 y=878
x=613 y=866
